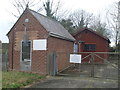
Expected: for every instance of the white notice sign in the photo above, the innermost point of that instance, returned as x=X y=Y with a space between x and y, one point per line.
x=40 y=44
x=75 y=58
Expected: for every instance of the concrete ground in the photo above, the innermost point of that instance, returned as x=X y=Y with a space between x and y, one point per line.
x=107 y=77
x=75 y=82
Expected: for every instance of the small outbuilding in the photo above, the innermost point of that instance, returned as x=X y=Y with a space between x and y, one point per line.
x=87 y=40
x=33 y=38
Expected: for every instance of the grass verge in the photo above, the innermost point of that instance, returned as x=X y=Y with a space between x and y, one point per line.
x=13 y=79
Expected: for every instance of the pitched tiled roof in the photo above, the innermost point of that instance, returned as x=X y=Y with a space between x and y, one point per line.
x=53 y=27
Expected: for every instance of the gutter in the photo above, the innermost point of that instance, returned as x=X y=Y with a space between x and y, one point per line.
x=61 y=37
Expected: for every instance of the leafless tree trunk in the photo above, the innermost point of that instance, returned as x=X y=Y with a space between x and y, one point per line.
x=100 y=27
x=54 y=9
x=113 y=20
x=80 y=18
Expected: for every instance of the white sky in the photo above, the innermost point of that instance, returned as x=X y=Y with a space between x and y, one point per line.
x=92 y=6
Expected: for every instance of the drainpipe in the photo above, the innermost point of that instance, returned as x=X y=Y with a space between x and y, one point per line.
x=79 y=47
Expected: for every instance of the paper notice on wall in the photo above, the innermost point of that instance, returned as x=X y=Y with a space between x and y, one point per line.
x=75 y=58
x=40 y=44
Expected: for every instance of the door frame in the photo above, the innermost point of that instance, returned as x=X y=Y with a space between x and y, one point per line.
x=30 y=53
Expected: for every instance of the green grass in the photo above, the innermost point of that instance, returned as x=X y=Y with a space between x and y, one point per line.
x=13 y=79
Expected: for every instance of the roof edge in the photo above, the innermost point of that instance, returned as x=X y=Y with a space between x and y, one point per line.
x=91 y=30
x=61 y=37
x=52 y=33
x=17 y=20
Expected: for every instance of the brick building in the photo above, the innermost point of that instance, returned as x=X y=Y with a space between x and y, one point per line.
x=88 y=40
x=32 y=38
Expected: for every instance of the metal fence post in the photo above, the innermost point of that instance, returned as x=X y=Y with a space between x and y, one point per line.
x=52 y=64
x=6 y=60
x=50 y=58
x=92 y=59
x=0 y=65
x=0 y=57
x=119 y=64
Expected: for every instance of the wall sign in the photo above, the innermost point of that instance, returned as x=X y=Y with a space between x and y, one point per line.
x=40 y=44
x=75 y=58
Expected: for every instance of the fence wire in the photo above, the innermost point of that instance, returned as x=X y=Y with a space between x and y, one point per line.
x=94 y=64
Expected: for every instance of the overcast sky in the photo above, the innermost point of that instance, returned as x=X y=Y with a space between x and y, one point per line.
x=92 y=6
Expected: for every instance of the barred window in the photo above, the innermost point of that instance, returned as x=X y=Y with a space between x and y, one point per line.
x=90 y=47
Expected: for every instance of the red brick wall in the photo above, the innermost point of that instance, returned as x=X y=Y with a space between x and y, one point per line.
x=39 y=58
x=38 y=63
x=88 y=37
x=63 y=48
x=11 y=43
x=102 y=45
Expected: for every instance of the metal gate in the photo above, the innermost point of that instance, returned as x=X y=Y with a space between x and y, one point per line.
x=52 y=64
x=95 y=64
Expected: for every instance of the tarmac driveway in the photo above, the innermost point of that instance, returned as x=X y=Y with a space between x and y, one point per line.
x=75 y=82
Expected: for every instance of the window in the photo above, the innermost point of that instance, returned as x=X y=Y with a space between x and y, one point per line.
x=26 y=50
x=90 y=47
x=75 y=48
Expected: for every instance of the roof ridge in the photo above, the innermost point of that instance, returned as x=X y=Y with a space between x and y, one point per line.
x=98 y=33
x=42 y=15
x=85 y=28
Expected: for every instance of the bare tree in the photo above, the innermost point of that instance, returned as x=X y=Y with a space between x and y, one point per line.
x=80 y=18
x=113 y=21
x=100 y=27
x=53 y=9
x=20 y=5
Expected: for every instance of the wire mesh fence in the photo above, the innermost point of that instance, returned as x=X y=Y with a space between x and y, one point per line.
x=93 y=64
x=5 y=61
x=4 y=58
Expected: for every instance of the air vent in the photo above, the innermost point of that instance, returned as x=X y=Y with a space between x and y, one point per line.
x=26 y=20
